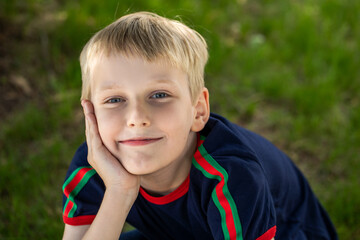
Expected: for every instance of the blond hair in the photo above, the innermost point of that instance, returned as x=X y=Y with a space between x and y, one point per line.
x=151 y=37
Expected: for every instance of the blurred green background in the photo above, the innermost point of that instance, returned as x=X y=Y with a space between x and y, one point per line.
x=288 y=70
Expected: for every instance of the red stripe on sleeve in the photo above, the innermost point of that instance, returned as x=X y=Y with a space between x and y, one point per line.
x=219 y=192
x=72 y=185
x=270 y=234
x=226 y=205
x=68 y=208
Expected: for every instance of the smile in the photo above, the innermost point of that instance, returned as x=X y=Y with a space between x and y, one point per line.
x=139 y=141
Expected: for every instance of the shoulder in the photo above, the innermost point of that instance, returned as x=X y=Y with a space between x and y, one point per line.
x=238 y=169
x=225 y=138
x=80 y=156
x=79 y=159
x=234 y=191
x=229 y=145
x=227 y=160
x=232 y=144
x=79 y=167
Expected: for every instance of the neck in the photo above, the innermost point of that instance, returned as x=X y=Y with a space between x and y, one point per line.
x=172 y=176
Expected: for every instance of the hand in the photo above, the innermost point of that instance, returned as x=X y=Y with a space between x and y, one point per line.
x=106 y=165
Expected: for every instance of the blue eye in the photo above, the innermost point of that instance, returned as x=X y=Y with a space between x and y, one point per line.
x=115 y=100
x=160 y=95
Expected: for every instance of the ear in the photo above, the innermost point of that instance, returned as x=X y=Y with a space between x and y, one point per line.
x=202 y=111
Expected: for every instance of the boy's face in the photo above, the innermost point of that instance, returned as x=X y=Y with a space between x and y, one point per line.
x=144 y=112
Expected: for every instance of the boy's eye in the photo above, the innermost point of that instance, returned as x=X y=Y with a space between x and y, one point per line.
x=160 y=95
x=115 y=100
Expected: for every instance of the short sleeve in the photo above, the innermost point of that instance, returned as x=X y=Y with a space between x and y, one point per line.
x=83 y=190
x=241 y=205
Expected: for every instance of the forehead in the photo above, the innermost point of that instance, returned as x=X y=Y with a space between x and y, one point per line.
x=117 y=70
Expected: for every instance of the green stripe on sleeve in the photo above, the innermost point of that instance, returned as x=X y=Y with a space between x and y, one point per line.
x=78 y=188
x=227 y=193
x=215 y=199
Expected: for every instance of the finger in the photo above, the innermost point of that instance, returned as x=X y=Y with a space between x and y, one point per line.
x=89 y=113
x=88 y=134
x=86 y=122
x=88 y=106
x=92 y=132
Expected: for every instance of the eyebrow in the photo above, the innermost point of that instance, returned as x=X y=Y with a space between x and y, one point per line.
x=116 y=85
x=109 y=86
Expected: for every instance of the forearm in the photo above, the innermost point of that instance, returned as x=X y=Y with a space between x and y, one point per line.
x=111 y=216
x=121 y=187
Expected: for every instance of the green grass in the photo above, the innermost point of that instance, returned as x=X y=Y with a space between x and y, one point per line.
x=288 y=70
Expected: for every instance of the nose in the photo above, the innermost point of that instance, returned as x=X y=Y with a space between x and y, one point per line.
x=137 y=116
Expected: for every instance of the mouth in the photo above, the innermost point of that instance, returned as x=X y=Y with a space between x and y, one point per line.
x=139 y=141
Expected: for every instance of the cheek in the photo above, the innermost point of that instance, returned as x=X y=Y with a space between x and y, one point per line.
x=177 y=119
x=107 y=125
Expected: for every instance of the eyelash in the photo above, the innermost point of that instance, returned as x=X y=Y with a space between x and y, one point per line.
x=115 y=100
x=157 y=95
x=162 y=95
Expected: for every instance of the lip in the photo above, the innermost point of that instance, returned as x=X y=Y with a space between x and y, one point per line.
x=139 y=141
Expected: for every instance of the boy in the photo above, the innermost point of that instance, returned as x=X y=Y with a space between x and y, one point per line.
x=156 y=158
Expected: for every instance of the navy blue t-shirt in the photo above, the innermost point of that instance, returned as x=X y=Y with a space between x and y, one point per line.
x=240 y=186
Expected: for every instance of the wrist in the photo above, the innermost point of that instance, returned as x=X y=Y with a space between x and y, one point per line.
x=127 y=195
x=112 y=214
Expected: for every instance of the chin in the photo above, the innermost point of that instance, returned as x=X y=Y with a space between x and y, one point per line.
x=139 y=165
x=138 y=171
